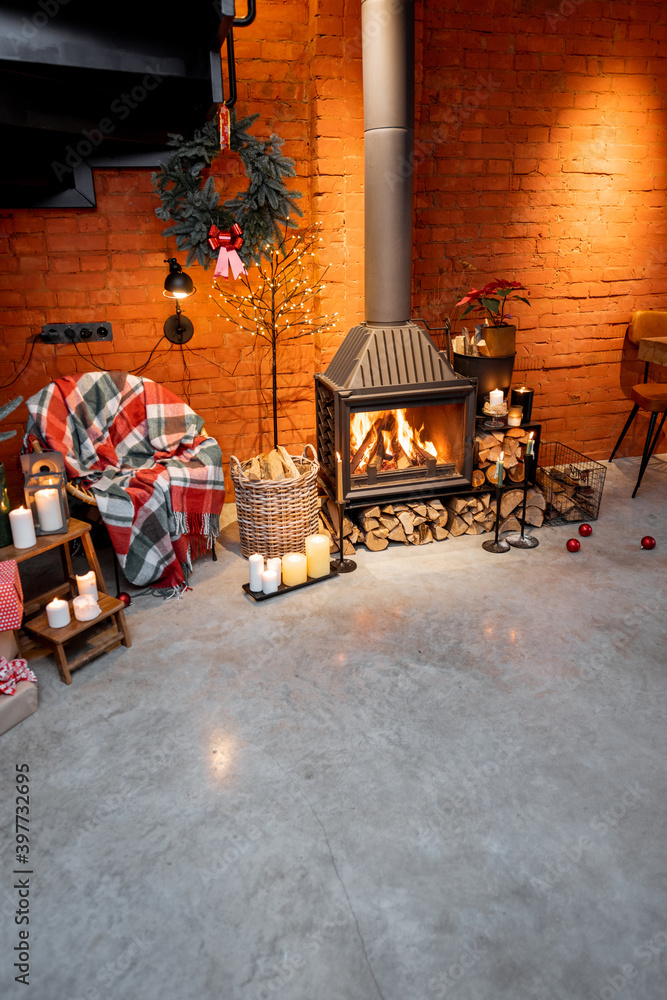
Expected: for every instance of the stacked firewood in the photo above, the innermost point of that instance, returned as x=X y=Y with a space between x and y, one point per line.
x=489 y=445
x=275 y=465
x=411 y=523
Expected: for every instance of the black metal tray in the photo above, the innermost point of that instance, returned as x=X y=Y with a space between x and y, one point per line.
x=282 y=589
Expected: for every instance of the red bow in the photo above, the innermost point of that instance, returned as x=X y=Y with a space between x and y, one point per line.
x=228 y=242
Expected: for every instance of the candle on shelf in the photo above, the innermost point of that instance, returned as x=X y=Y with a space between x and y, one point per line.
x=294 y=569
x=23 y=528
x=530 y=444
x=269 y=581
x=496 y=397
x=85 y=608
x=500 y=469
x=514 y=416
x=57 y=613
x=87 y=584
x=339 y=479
x=317 y=554
x=276 y=565
x=256 y=563
x=523 y=396
x=48 y=510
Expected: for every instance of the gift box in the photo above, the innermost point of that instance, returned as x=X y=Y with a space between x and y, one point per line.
x=11 y=595
x=18 y=706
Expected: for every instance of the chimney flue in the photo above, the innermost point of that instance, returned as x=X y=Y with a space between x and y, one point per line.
x=387 y=28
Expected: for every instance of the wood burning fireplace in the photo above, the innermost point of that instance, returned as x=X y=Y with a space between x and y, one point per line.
x=401 y=420
x=389 y=403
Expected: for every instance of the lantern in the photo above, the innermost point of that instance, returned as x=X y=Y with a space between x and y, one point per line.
x=44 y=489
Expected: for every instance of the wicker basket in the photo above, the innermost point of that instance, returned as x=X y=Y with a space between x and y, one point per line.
x=275 y=518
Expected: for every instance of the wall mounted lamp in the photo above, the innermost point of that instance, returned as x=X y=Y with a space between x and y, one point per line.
x=178 y=285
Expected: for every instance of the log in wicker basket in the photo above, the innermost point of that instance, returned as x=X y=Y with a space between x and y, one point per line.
x=276 y=517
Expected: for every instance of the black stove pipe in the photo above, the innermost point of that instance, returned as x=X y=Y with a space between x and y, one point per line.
x=387 y=28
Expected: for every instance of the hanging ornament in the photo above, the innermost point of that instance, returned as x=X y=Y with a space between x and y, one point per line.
x=228 y=242
x=585 y=530
x=224 y=128
x=648 y=542
x=573 y=545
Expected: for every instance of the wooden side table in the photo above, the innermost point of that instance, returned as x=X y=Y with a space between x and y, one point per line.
x=110 y=607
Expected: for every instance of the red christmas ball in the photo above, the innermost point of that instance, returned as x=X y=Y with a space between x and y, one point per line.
x=125 y=598
x=585 y=530
x=648 y=542
x=573 y=545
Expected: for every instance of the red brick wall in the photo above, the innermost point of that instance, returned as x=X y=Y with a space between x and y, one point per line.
x=540 y=156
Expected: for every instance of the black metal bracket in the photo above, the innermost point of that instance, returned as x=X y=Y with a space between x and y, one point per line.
x=226 y=37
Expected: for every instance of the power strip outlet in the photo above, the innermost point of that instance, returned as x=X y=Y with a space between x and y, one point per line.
x=76 y=333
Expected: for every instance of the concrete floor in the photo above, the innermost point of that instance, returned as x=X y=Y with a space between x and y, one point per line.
x=442 y=775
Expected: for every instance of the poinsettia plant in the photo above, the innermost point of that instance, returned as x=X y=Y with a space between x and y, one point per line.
x=492 y=300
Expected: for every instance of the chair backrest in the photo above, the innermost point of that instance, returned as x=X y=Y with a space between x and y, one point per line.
x=647 y=323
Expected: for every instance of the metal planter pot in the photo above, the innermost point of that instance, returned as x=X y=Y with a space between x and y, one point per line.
x=491 y=373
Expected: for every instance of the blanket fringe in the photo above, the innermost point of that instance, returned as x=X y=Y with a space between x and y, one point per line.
x=205 y=525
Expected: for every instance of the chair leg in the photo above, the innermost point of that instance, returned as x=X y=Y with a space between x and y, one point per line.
x=632 y=416
x=648 y=448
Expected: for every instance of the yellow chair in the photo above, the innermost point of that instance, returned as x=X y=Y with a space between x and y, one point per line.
x=651 y=397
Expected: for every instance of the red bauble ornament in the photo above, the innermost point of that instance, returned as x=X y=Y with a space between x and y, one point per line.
x=648 y=542
x=125 y=598
x=573 y=545
x=585 y=530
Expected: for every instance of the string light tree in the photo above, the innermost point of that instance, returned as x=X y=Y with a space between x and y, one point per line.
x=279 y=301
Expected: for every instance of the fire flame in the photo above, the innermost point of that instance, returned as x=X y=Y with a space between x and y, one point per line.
x=387 y=439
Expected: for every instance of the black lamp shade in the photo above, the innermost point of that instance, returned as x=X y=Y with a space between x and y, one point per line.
x=178 y=284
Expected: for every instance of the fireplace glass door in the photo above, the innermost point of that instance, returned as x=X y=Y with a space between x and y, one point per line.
x=416 y=442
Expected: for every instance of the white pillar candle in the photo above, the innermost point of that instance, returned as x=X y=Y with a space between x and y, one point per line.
x=496 y=397
x=269 y=581
x=317 y=554
x=85 y=608
x=295 y=569
x=48 y=510
x=23 y=528
x=256 y=563
x=57 y=613
x=276 y=565
x=87 y=584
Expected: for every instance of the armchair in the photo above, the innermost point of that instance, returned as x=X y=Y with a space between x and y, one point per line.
x=141 y=453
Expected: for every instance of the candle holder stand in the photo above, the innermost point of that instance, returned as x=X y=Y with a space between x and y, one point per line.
x=519 y=539
x=342 y=565
x=497 y=545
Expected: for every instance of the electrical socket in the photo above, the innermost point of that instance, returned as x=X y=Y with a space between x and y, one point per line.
x=77 y=333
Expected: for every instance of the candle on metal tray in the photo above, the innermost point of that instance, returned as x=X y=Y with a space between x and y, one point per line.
x=317 y=554
x=270 y=581
x=276 y=566
x=294 y=569
x=256 y=563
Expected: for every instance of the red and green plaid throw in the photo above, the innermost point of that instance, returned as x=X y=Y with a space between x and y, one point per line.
x=158 y=481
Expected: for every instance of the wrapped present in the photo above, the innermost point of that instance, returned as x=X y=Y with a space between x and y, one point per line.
x=18 y=706
x=11 y=596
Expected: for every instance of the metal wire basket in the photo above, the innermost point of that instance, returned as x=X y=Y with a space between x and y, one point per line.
x=275 y=518
x=572 y=484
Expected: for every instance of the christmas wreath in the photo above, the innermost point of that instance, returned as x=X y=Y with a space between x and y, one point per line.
x=262 y=211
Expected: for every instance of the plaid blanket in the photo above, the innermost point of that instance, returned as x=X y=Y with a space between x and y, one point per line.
x=158 y=481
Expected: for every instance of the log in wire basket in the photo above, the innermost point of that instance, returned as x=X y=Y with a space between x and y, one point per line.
x=572 y=484
x=275 y=518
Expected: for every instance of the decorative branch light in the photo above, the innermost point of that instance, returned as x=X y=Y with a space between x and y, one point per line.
x=278 y=299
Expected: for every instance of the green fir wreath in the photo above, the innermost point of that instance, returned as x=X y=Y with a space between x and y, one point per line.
x=262 y=210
